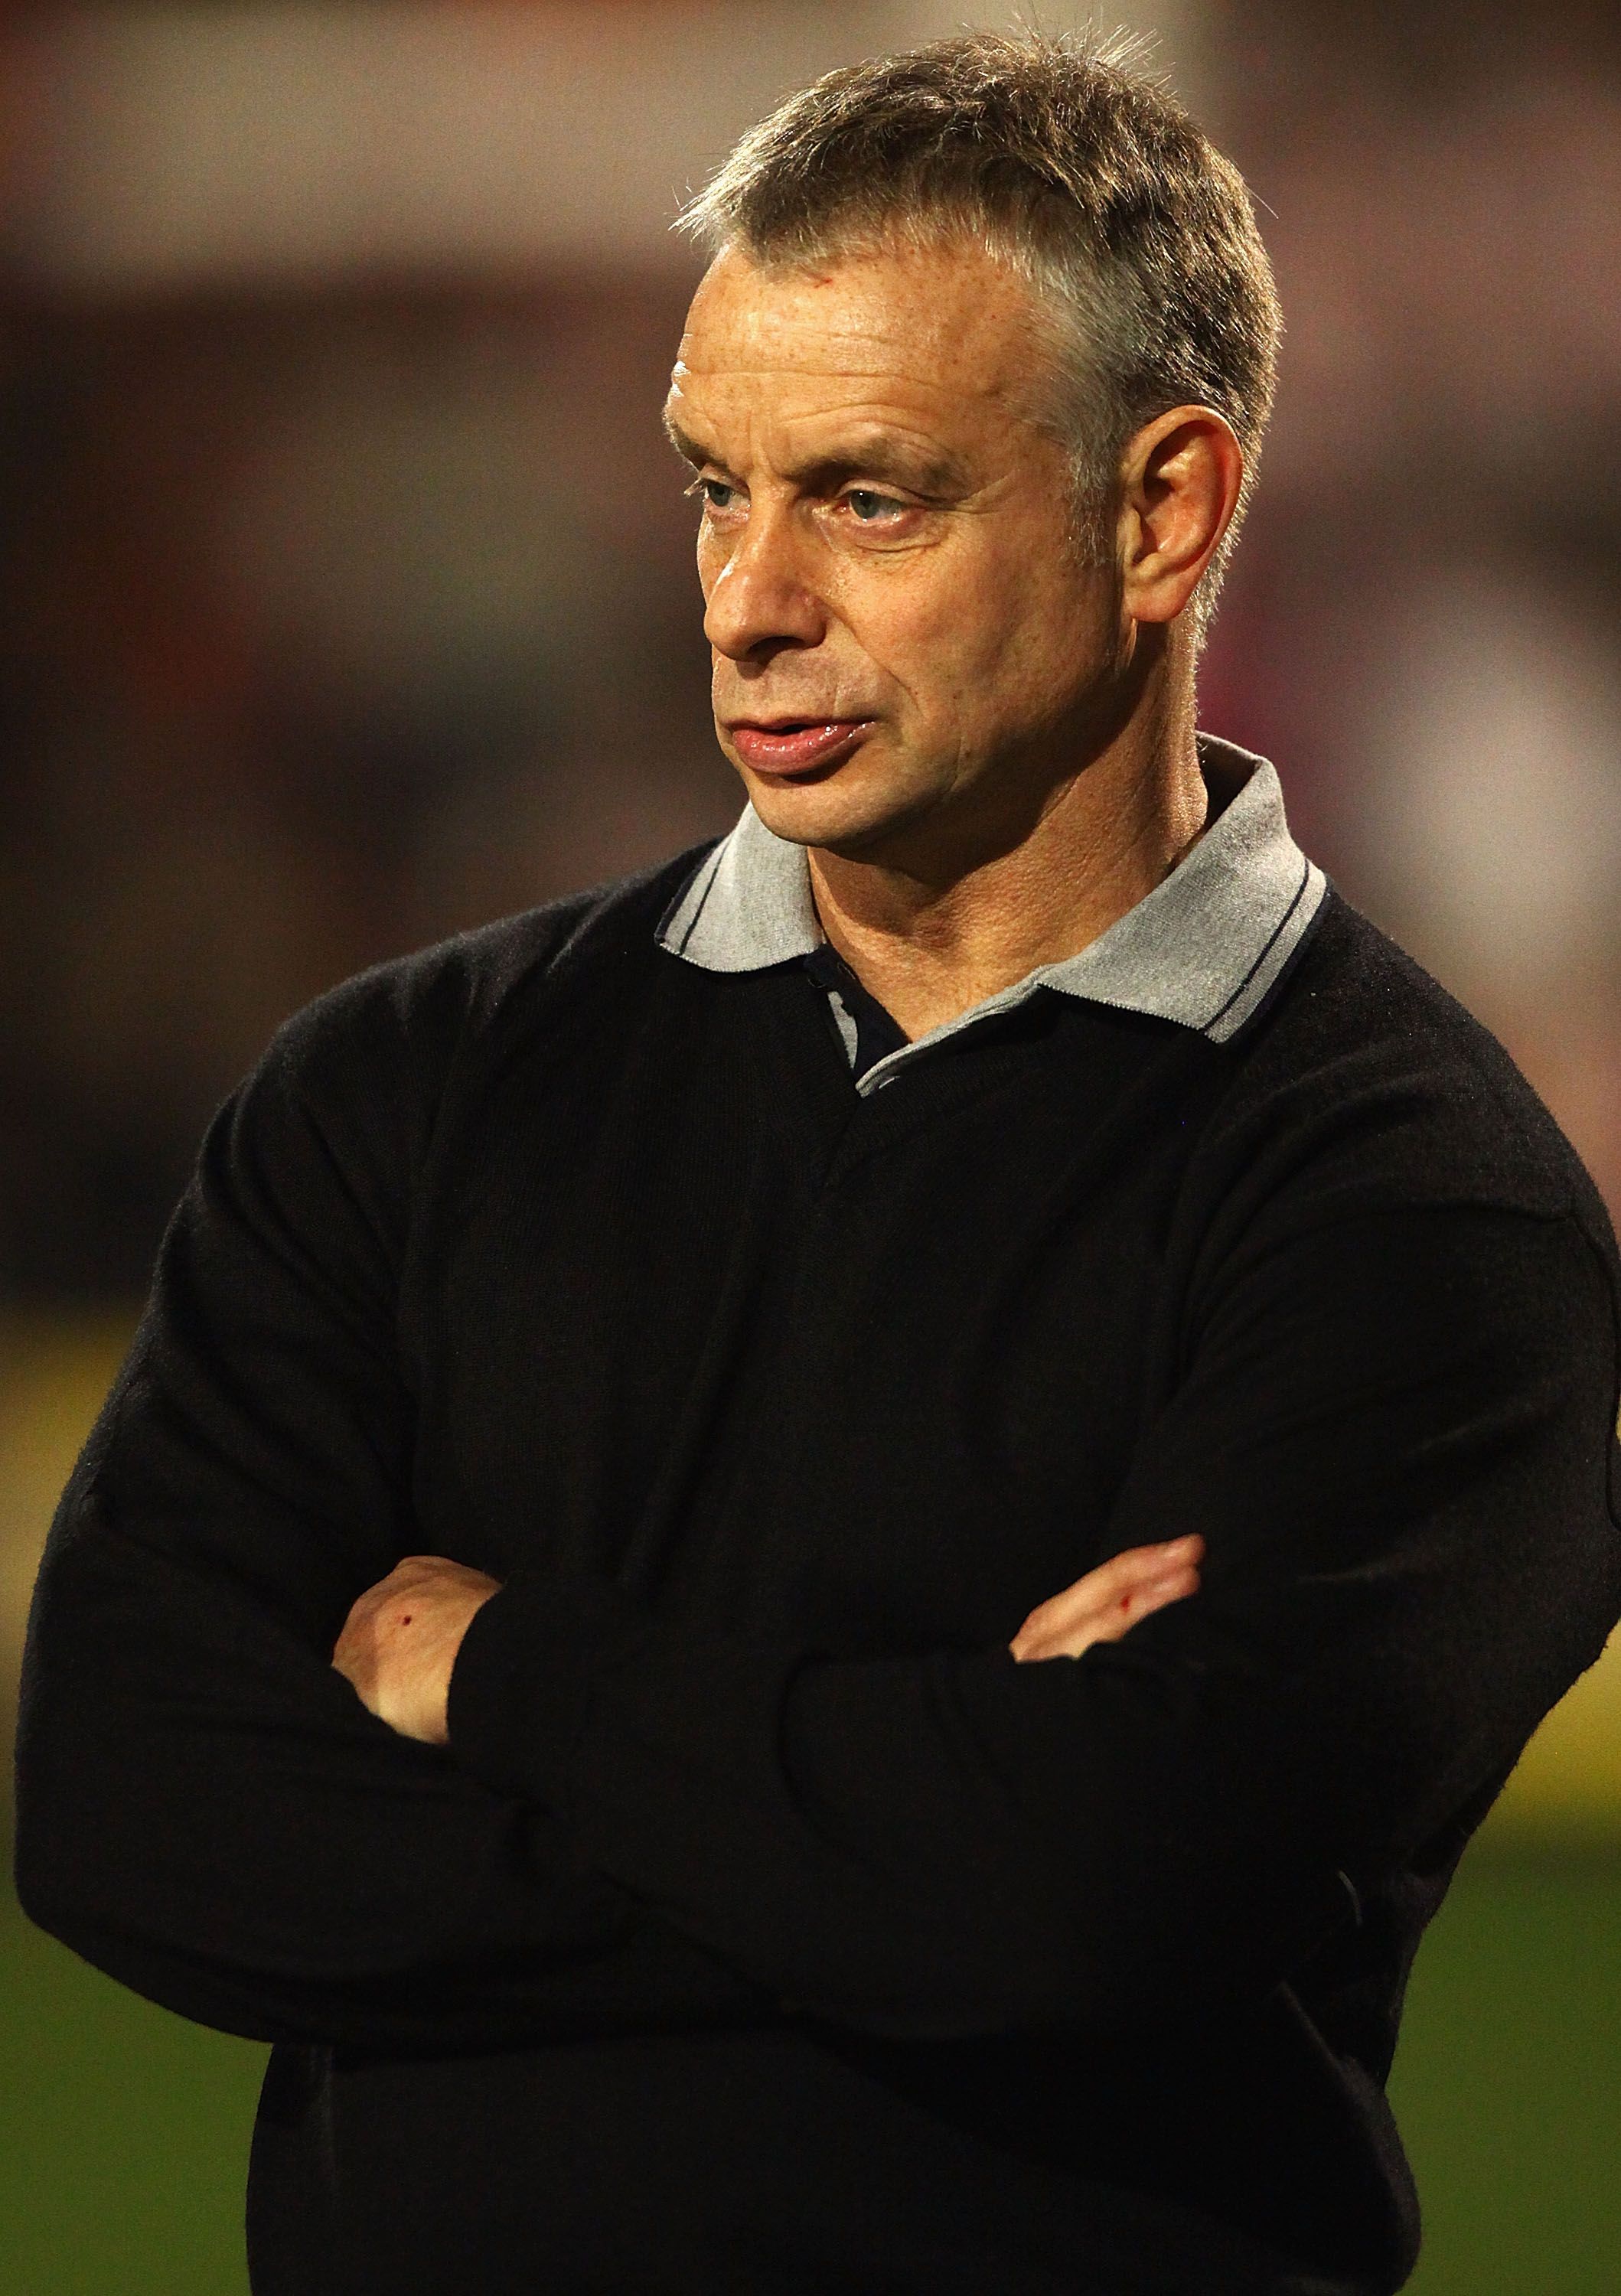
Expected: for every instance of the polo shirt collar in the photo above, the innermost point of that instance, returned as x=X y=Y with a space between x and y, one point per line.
x=1203 y=948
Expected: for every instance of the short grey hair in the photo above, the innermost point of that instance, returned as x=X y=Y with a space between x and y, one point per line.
x=1068 y=163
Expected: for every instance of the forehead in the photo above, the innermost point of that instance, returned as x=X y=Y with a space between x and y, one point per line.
x=944 y=325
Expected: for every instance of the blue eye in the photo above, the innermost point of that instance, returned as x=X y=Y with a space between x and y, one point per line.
x=714 y=493
x=867 y=504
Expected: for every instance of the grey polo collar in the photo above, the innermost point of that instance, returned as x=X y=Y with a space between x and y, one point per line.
x=1202 y=948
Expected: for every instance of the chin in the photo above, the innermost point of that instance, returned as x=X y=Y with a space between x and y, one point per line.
x=841 y=817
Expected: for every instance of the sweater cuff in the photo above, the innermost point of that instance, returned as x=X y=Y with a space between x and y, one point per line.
x=521 y=1686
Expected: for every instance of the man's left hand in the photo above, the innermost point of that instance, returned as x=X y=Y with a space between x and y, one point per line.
x=400 y=1640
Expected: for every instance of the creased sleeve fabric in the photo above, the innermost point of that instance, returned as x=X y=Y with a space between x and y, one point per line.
x=1393 y=1433
x=205 y=1810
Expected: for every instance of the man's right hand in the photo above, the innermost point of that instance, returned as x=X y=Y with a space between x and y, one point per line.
x=1109 y=1601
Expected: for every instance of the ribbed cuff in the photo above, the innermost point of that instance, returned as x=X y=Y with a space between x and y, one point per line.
x=520 y=1689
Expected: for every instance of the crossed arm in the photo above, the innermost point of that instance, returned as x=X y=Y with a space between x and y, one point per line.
x=400 y=1640
x=1391 y=1439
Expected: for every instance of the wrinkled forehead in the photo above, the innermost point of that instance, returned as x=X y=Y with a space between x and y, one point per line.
x=950 y=320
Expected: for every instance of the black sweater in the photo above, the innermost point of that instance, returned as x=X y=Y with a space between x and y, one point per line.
x=765 y=1928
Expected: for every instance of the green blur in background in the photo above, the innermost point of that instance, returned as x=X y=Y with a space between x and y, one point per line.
x=124 y=2131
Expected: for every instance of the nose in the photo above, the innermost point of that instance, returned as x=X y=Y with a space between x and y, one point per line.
x=759 y=599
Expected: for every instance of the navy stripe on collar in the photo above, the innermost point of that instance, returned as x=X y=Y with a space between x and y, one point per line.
x=1203 y=948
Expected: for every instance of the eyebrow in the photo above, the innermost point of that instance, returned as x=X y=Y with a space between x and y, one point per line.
x=688 y=448
x=917 y=468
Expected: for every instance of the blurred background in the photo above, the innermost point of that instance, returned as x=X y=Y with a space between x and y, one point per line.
x=345 y=600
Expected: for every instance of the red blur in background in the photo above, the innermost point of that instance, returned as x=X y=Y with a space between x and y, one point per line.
x=346 y=593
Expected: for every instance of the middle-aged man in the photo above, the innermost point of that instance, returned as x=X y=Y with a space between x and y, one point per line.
x=569 y=1623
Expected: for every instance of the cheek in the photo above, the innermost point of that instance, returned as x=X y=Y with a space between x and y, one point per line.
x=922 y=621
x=1041 y=635
x=973 y=642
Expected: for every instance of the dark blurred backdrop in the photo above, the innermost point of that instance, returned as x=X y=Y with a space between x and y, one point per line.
x=346 y=594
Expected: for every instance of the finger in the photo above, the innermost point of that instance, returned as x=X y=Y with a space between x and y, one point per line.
x=1117 y=1578
x=372 y=1614
x=411 y=1573
x=1114 y=1583
x=1135 y=1564
x=1064 y=1624
x=411 y=1569
x=1055 y=1631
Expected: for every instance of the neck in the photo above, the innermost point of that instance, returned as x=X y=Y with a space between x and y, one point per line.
x=939 y=922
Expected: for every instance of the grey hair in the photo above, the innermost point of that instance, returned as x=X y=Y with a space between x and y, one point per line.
x=1065 y=162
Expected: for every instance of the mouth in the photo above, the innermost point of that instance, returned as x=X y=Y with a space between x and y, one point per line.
x=789 y=746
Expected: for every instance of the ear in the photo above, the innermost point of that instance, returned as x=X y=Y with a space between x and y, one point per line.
x=1180 y=479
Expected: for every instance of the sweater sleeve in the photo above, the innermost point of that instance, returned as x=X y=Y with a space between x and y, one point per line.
x=1395 y=1435
x=205 y=1810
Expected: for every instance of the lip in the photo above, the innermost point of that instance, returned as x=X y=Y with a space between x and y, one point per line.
x=796 y=745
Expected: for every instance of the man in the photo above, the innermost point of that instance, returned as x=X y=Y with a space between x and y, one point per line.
x=560 y=1626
